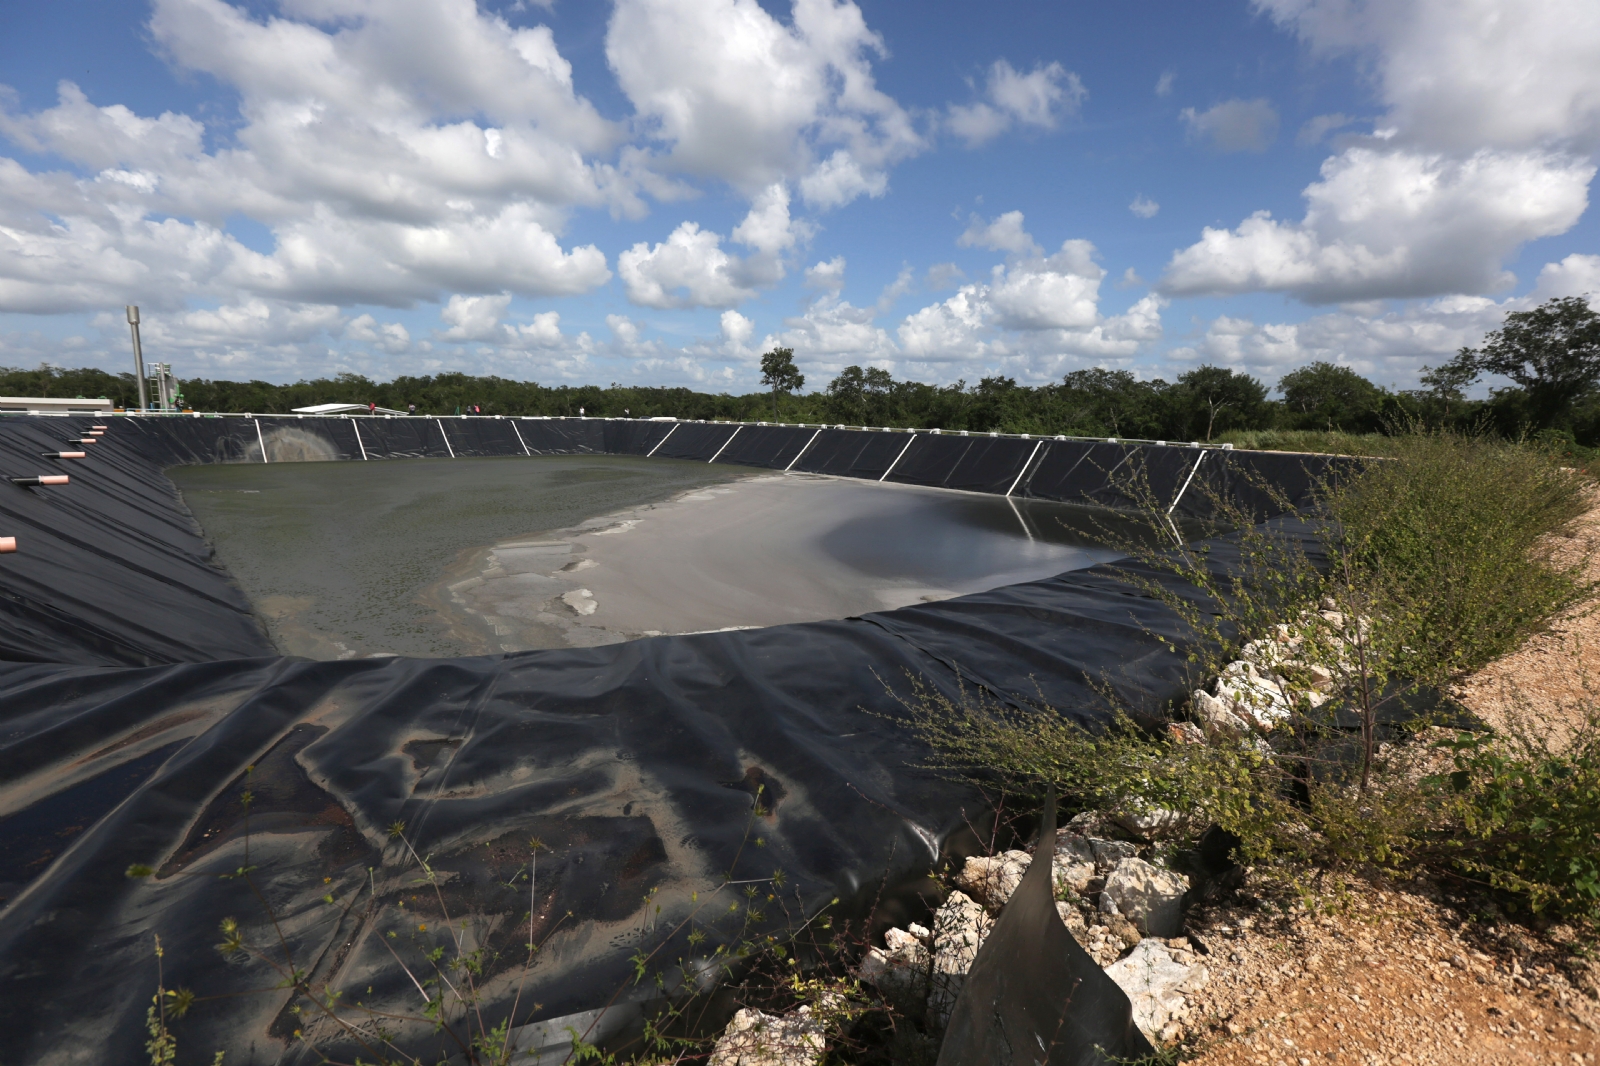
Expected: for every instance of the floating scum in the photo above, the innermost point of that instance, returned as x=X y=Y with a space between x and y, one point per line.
x=592 y=801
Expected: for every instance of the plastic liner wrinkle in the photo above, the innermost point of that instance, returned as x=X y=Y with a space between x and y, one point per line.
x=617 y=759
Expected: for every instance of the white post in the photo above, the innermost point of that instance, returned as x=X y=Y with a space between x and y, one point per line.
x=802 y=451
x=446 y=436
x=1024 y=470
x=261 y=440
x=1170 y=523
x=897 y=458
x=357 y=427
x=520 y=441
x=663 y=440
x=1186 y=481
x=724 y=447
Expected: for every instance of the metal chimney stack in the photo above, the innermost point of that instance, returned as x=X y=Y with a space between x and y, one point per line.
x=138 y=357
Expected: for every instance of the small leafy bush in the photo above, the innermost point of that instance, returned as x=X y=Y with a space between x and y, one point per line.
x=1529 y=816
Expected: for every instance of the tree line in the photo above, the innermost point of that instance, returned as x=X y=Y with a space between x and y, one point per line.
x=1550 y=355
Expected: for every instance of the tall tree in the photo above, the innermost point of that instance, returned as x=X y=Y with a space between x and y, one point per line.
x=1214 y=399
x=778 y=371
x=1110 y=403
x=1447 y=384
x=1552 y=352
x=1326 y=396
x=855 y=393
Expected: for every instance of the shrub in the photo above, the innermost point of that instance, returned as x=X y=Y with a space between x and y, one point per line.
x=1434 y=562
x=1528 y=810
x=1458 y=530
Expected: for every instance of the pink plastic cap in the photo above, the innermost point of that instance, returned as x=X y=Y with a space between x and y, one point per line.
x=54 y=479
x=7 y=544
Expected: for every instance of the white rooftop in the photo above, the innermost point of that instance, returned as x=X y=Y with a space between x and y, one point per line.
x=340 y=408
x=52 y=403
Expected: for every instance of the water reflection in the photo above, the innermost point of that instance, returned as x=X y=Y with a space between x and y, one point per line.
x=957 y=539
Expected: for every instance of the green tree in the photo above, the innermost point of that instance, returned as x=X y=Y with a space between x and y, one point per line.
x=1326 y=396
x=1214 y=399
x=1110 y=403
x=1447 y=384
x=857 y=395
x=779 y=372
x=1552 y=352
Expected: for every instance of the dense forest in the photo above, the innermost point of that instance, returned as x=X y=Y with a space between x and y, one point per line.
x=1550 y=356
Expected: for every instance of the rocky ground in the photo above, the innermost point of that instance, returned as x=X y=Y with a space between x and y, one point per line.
x=1384 y=975
x=1395 y=977
x=1375 y=974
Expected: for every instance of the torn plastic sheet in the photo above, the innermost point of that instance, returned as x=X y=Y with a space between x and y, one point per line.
x=1033 y=994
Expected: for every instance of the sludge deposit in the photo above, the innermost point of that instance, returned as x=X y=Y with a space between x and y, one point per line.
x=140 y=696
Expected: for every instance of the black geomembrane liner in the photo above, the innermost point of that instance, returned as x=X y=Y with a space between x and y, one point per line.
x=136 y=689
x=975 y=464
x=628 y=437
x=696 y=440
x=772 y=447
x=853 y=453
x=1033 y=986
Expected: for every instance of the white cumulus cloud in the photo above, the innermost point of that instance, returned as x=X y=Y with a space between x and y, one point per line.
x=828 y=274
x=1386 y=223
x=1035 y=309
x=1461 y=74
x=1039 y=99
x=1493 y=113
x=736 y=328
x=688 y=269
x=1388 y=346
x=732 y=93
x=1003 y=234
x=349 y=148
x=474 y=318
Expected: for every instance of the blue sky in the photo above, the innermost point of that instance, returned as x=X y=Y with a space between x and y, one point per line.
x=657 y=191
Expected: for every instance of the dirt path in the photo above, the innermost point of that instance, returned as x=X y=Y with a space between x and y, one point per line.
x=1395 y=979
x=1547 y=682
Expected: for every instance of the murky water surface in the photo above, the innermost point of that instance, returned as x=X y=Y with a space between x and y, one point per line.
x=336 y=556
x=470 y=556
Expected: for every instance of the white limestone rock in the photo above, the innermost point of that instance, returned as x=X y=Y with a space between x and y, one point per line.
x=1158 y=979
x=899 y=969
x=1154 y=824
x=1108 y=853
x=1148 y=896
x=1216 y=714
x=959 y=928
x=755 y=1038
x=1185 y=733
x=1072 y=849
x=1072 y=918
x=1257 y=698
x=992 y=878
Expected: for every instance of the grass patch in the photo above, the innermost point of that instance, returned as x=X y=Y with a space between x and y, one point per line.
x=1307 y=440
